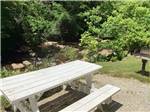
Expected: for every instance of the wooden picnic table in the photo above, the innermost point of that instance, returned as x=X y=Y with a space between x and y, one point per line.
x=17 y=89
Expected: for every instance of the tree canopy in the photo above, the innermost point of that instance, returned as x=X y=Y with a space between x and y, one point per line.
x=119 y=25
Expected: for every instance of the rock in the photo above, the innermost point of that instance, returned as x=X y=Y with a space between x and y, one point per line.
x=39 y=63
x=61 y=46
x=39 y=59
x=26 y=63
x=49 y=43
x=32 y=54
x=17 y=66
x=106 y=52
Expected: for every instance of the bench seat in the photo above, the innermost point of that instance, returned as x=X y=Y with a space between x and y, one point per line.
x=93 y=100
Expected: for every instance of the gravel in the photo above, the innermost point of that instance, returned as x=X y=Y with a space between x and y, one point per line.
x=133 y=97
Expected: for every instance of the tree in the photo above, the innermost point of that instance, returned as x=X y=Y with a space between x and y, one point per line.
x=118 y=25
x=43 y=20
x=11 y=30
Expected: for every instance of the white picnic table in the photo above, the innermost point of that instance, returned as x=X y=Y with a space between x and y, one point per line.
x=17 y=89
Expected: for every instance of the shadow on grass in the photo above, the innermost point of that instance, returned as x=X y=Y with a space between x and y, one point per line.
x=145 y=73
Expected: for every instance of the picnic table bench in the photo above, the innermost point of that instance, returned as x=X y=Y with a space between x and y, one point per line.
x=94 y=100
x=17 y=89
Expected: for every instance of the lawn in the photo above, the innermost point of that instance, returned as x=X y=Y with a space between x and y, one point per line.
x=128 y=68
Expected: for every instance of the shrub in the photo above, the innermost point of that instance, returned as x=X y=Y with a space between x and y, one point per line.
x=68 y=53
x=4 y=103
x=122 y=26
x=42 y=21
x=7 y=72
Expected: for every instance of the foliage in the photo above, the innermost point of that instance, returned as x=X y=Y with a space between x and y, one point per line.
x=11 y=30
x=7 y=72
x=125 y=27
x=43 y=20
x=31 y=23
x=129 y=25
x=120 y=26
x=89 y=42
x=4 y=102
x=68 y=54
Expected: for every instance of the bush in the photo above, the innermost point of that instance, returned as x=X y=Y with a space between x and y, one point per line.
x=122 y=26
x=4 y=103
x=7 y=72
x=42 y=21
x=68 y=53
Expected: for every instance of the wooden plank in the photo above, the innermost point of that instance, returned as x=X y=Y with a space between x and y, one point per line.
x=49 y=75
x=92 y=100
x=28 y=84
x=47 y=86
x=41 y=73
x=86 y=99
x=98 y=100
x=35 y=74
x=44 y=80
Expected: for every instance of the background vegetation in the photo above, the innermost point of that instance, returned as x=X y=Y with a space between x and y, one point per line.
x=120 y=26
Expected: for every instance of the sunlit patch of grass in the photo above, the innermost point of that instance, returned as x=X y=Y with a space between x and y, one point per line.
x=128 y=68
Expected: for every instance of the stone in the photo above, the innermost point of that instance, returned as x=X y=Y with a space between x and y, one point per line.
x=32 y=54
x=17 y=66
x=106 y=52
x=49 y=43
x=61 y=46
x=39 y=59
x=38 y=63
x=26 y=63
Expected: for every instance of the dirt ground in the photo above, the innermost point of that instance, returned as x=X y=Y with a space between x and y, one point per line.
x=133 y=97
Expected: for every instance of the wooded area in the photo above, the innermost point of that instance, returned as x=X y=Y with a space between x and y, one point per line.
x=119 y=26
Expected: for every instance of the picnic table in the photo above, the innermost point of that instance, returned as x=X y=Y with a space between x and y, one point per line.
x=17 y=89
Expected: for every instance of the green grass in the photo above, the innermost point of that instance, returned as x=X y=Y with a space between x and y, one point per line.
x=128 y=68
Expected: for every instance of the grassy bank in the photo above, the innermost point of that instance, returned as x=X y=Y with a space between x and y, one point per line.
x=129 y=68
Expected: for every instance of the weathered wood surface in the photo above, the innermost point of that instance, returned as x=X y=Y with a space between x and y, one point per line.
x=17 y=88
x=93 y=100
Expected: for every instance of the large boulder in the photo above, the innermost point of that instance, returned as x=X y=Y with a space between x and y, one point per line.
x=17 y=66
x=106 y=52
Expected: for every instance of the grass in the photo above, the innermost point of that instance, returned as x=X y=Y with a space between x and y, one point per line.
x=128 y=68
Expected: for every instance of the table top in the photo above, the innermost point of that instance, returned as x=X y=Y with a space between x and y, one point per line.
x=19 y=87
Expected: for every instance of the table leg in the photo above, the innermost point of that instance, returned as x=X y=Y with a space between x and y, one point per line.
x=100 y=107
x=33 y=103
x=14 y=108
x=39 y=96
x=108 y=101
x=21 y=107
x=90 y=84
